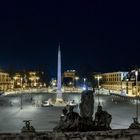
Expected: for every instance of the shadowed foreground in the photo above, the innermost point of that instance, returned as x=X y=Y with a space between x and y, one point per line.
x=100 y=135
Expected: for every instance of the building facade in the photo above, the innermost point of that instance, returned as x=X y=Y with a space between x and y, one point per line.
x=32 y=79
x=70 y=81
x=121 y=83
x=113 y=80
x=18 y=80
x=69 y=78
x=5 y=81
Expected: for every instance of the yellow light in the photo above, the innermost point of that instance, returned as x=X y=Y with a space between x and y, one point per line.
x=98 y=77
x=76 y=78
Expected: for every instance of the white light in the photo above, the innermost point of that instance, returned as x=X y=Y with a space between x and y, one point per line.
x=84 y=88
x=76 y=78
x=136 y=73
x=70 y=83
x=84 y=79
x=54 y=84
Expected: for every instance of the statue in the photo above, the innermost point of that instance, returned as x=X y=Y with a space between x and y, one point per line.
x=135 y=124
x=87 y=104
x=27 y=127
x=102 y=119
x=72 y=121
x=69 y=120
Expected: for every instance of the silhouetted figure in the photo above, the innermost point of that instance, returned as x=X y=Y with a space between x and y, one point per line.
x=27 y=127
x=69 y=120
x=102 y=119
x=87 y=105
x=72 y=121
x=135 y=124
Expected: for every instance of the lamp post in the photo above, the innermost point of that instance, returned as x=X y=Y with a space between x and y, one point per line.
x=76 y=80
x=98 y=77
x=136 y=124
x=21 y=97
x=137 y=113
x=21 y=101
x=84 y=84
x=84 y=81
x=126 y=86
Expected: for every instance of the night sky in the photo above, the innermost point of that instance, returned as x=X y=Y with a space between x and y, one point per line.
x=102 y=33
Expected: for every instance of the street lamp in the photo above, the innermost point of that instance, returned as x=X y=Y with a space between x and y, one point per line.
x=84 y=80
x=137 y=113
x=21 y=96
x=21 y=101
x=136 y=124
x=127 y=86
x=21 y=82
x=76 y=79
x=98 y=77
x=84 y=84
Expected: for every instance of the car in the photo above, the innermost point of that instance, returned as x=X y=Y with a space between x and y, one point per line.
x=46 y=104
x=72 y=103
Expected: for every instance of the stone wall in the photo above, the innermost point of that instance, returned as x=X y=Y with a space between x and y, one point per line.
x=98 y=135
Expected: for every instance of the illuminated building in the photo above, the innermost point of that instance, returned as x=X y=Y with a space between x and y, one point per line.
x=129 y=87
x=70 y=81
x=113 y=80
x=133 y=83
x=5 y=81
x=18 y=80
x=69 y=77
x=28 y=79
x=121 y=83
x=34 y=79
x=53 y=82
x=69 y=73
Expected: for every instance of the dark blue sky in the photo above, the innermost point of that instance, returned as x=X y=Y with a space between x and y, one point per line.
x=104 y=34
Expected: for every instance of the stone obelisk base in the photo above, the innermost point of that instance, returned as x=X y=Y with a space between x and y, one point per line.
x=59 y=102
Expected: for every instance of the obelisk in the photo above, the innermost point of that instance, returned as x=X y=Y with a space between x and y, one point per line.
x=59 y=81
x=59 y=98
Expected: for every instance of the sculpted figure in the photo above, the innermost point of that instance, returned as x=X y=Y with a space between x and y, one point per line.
x=102 y=119
x=135 y=124
x=72 y=121
x=69 y=120
x=28 y=127
x=87 y=104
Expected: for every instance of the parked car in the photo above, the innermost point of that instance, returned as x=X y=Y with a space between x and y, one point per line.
x=46 y=104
